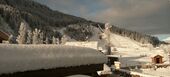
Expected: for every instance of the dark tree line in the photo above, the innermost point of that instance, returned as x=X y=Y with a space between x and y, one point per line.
x=80 y=32
x=142 y=38
x=37 y=15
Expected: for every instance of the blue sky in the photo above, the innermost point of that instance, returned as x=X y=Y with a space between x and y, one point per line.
x=145 y=16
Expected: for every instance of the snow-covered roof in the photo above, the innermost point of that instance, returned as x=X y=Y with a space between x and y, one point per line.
x=91 y=44
x=19 y=58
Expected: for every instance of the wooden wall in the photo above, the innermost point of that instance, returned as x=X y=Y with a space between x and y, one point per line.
x=59 y=72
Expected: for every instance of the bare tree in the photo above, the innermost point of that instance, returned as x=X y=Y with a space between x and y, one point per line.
x=54 y=40
x=46 y=40
x=64 y=39
x=108 y=33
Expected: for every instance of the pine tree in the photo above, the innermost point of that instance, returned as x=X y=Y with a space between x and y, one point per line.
x=41 y=37
x=54 y=40
x=57 y=41
x=46 y=40
x=21 y=39
x=35 y=38
x=11 y=39
x=29 y=37
x=64 y=39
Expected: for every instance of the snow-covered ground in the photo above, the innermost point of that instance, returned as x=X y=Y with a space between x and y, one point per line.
x=19 y=58
x=166 y=39
x=132 y=53
x=120 y=41
x=161 y=72
x=137 y=57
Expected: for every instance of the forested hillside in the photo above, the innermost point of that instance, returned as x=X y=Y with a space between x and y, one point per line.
x=13 y=12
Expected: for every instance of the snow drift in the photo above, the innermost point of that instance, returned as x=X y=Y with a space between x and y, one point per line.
x=20 y=58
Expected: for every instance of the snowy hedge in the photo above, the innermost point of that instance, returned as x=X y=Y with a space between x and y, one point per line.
x=19 y=58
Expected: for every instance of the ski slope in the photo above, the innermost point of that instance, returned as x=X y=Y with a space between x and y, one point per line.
x=132 y=53
x=125 y=42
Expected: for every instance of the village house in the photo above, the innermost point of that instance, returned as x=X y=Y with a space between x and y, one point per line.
x=3 y=36
x=157 y=59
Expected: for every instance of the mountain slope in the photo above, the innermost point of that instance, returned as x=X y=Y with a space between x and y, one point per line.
x=13 y=12
x=35 y=14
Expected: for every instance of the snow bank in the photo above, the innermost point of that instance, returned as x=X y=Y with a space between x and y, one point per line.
x=161 y=72
x=19 y=58
x=137 y=73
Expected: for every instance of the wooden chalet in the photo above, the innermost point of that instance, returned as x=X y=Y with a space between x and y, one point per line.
x=3 y=36
x=157 y=59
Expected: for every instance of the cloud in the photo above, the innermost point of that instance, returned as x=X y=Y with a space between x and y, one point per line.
x=147 y=16
x=125 y=9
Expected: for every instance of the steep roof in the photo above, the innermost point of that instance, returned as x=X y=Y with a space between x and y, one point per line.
x=15 y=58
